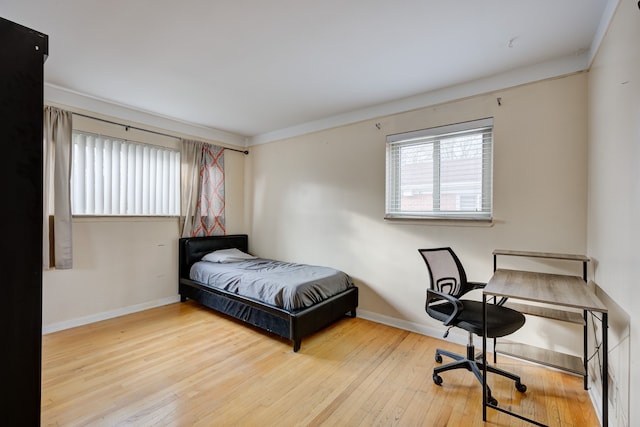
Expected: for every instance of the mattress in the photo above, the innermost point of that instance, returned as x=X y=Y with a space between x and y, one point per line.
x=290 y=286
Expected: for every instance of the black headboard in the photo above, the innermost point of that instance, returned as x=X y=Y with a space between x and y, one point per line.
x=192 y=249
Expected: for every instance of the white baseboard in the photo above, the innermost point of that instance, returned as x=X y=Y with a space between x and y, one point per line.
x=454 y=336
x=72 y=323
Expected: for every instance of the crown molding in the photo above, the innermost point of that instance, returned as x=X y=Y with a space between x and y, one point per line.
x=60 y=95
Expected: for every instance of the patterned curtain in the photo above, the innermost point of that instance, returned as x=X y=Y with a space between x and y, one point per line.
x=209 y=219
x=203 y=203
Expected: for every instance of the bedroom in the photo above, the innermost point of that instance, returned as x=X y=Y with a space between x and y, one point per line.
x=332 y=212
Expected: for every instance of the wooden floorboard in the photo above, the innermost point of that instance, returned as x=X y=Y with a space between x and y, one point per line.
x=184 y=365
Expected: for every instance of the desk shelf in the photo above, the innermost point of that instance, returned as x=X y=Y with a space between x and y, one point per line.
x=548 y=255
x=548 y=313
x=543 y=356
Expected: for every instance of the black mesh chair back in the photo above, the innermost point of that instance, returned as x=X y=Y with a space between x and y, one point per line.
x=446 y=272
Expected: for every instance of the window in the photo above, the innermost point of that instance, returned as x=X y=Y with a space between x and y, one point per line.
x=116 y=177
x=444 y=172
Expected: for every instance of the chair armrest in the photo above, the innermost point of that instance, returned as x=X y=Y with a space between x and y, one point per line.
x=481 y=285
x=477 y=285
x=433 y=295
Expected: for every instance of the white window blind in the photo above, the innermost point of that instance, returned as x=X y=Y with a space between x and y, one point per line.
x=443 y=172
x=116 y=177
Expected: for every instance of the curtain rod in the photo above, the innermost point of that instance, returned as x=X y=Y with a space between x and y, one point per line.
x=127 y=127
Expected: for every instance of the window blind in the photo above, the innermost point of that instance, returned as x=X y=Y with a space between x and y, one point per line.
x=117 y=177
x=443 y=172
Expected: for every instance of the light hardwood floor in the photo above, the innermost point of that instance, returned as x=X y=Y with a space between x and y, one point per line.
x=184 y=365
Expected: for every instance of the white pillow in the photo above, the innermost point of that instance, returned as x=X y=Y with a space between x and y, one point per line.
x=227 y=255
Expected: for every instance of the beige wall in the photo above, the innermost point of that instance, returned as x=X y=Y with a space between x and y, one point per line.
x=614 y=200
x=125 y=264
x=319 y=198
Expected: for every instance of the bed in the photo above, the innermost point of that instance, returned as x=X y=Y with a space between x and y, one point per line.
x=289 y=321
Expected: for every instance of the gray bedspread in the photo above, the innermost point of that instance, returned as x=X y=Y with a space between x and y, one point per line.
x=282 y=284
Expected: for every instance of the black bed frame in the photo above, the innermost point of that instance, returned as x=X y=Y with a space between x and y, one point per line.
x=292 y=325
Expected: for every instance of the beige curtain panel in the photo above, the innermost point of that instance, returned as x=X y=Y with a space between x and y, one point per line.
x=190 y=160
x=57 y=188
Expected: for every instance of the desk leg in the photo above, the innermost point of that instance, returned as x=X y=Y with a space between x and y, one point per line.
x=605 y=370
x=585 y=355
x=484 y=357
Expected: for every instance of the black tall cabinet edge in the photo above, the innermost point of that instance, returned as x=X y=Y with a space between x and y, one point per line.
x=22 y=55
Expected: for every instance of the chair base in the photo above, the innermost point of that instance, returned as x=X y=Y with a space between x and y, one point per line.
x=475 y=364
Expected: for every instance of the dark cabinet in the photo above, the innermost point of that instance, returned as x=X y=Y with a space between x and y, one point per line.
x=22 y=55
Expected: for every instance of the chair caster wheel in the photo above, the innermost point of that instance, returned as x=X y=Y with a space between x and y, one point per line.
x=521 y=387
x=438 y=358
x=437 y=379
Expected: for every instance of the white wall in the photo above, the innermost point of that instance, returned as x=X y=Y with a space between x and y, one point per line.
x=319 y=198
x=126 y=264
x=614 y=199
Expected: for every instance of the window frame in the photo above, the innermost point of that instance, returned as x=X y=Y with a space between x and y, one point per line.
x=434 y=135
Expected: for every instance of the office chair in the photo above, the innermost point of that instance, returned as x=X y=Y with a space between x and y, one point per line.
x=448 y=284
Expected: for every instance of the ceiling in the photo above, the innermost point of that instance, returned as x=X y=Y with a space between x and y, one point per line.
x=254 y=67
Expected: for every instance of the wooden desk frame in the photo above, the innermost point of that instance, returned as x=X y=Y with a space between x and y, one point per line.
x=554 y=289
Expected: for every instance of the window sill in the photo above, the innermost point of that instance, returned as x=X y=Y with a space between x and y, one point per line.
x=456 y=222
x=122 y=218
